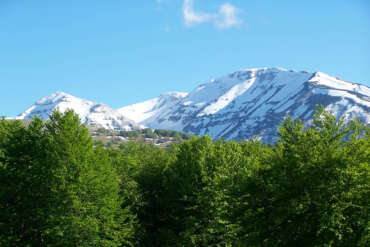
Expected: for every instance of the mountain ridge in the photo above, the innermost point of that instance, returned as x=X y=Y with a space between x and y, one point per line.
x=90 y=113
x=253 y=102
x=250 y=102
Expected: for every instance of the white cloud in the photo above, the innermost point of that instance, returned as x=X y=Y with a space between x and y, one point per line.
x=191 y=17
x=226 y=16
x=229 y=16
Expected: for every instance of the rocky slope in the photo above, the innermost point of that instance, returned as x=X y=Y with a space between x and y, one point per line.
x=254 y=102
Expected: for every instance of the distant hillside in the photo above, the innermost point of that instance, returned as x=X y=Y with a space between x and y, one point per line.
x=161 y=138
x=113 y=138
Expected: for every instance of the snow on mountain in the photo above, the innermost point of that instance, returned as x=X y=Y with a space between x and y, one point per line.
x=237 y=106
x=90 y=113
x=147 y=109
x=253 y=102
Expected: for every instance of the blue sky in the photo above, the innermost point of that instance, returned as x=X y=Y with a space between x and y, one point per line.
x=121 y=52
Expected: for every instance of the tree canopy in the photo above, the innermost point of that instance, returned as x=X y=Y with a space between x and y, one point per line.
x=310 y=188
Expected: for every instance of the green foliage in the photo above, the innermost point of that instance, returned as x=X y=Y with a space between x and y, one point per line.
x=103 y=131
x=56 y=189
x=156 y=134
x=23 y=206
x=179 y=136
x=148 y=133
x=311 y=188
x=130 y=134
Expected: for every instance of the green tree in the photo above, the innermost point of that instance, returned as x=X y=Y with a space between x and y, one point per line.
x=86 y=209
x=56 y=190
x=312 y=190
x=23 y=183
x=152 y=163
x=190 y=198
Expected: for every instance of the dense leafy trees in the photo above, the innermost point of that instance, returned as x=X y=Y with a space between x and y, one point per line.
x=307 y=192
x=311 y=188
x=23 y=174
x=56 y=189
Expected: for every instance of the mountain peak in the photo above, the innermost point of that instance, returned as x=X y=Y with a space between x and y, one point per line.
x=60 y=93
x=253 y=102
x=322 y=80
x=240 y=105
x=263 y=72
x=266 y=69
x=271 y=69
x=53 y=98
x=91 y=113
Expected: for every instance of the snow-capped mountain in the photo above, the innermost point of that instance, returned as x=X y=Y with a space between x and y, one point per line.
x=141 y=112
x=240 y=105
x=90 y=113
x=253 y=102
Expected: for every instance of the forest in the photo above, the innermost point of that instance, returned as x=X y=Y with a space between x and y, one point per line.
x=309 y=188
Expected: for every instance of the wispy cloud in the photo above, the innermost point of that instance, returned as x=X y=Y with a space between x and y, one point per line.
x=229 y=18
x=191 y=17
x=226 y=17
